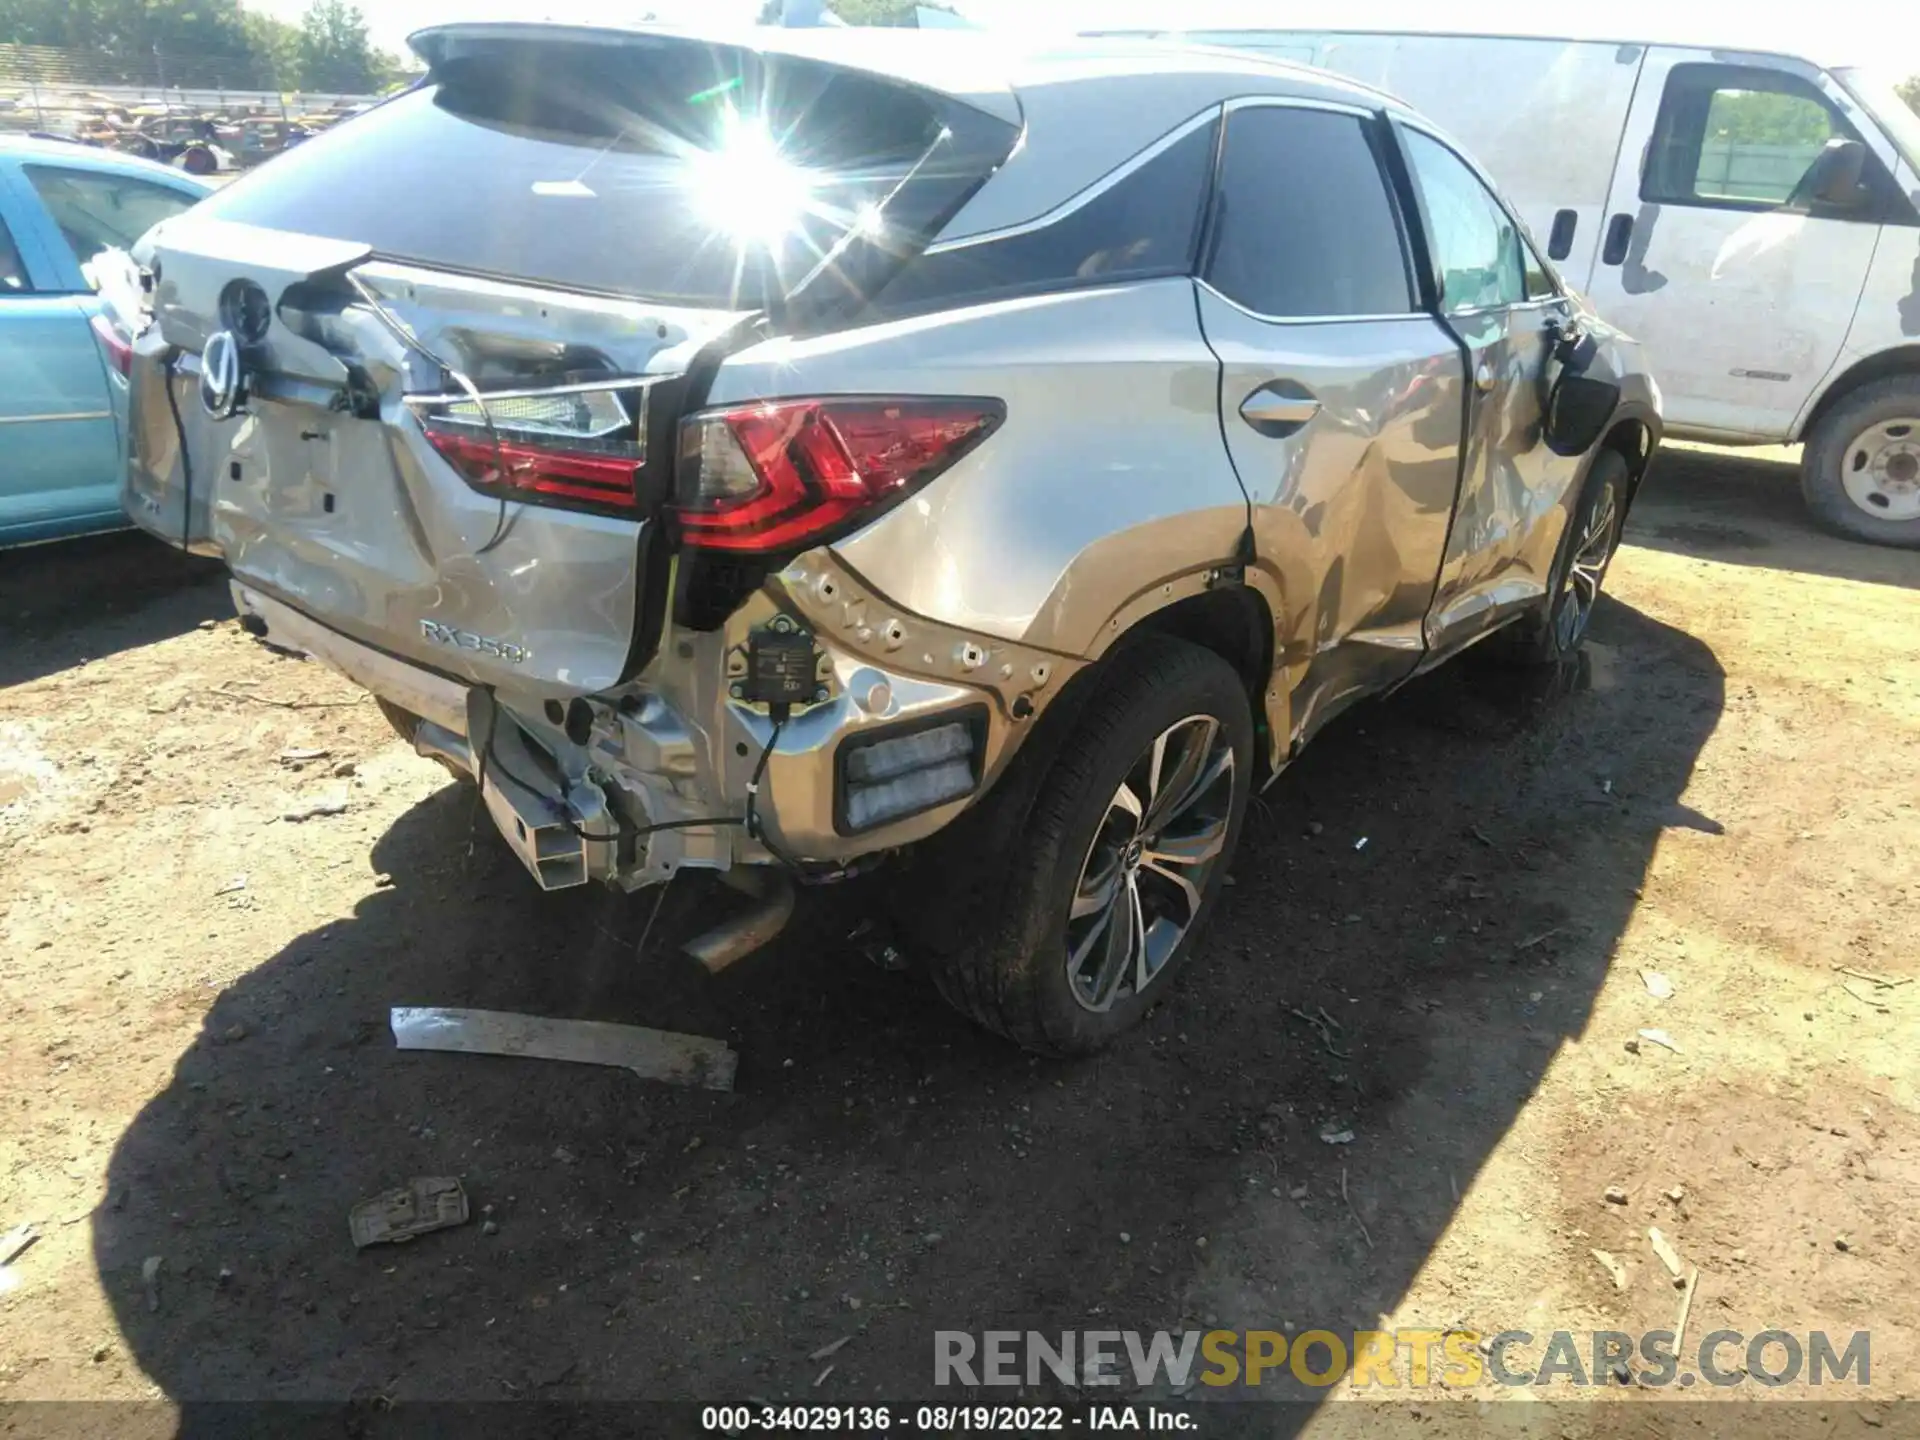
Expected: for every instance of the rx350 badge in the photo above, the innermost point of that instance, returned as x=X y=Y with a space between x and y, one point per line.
x=479 y=644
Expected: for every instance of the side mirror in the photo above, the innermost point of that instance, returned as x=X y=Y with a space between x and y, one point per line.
x=1577 y=411
x=1834 y=177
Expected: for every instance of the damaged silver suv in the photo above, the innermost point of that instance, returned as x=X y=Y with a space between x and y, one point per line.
x=760 y=456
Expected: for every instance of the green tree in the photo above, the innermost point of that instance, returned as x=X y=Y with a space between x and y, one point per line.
x=133 y=37
x=275 y=46
x=335 y=52
x=1910 y=92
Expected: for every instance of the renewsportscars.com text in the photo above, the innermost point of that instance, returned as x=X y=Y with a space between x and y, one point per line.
x=1395 y=1359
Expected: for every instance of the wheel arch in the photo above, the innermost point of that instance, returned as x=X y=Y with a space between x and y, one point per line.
x=1881 y=365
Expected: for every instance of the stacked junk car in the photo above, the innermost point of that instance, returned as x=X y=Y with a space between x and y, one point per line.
x=735 y=459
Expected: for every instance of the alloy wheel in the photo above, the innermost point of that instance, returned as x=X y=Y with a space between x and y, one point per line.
x=1880 y=469
x=1146 y=872
x=1580 y=589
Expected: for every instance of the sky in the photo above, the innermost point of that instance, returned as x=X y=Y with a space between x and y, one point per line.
x=1846 y=31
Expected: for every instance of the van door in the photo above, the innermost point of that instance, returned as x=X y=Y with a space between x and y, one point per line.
x=1717 y=256
x=1341 y=403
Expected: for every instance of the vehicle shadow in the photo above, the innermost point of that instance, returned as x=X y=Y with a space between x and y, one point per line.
x=1440 y=884
x=79 y=600
x=1744 y=508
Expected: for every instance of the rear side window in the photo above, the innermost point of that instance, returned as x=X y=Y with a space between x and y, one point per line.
x=1146 y=224
x=1304 y=227
x=98 y=211
x=686 y=173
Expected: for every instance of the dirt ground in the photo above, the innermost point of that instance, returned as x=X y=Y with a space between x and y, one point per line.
x=198 y=1067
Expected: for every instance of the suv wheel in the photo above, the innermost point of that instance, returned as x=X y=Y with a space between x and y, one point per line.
x=1121 y=858
x=1861 y=469
x=1553 y=635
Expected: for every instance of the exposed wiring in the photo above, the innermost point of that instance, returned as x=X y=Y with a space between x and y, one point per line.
x=186 y=460
x=755 y=830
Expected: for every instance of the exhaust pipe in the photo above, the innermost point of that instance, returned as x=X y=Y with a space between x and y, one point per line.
x=733 y=940
x=436 y=742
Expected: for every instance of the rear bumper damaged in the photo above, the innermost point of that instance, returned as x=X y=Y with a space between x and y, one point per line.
x=629 y=786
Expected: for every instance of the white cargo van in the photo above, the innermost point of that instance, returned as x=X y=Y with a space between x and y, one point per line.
x=1752 y=217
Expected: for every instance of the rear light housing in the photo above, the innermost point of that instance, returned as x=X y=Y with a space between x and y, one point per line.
x=578 y=447
x=780 y=476
x=113 y=343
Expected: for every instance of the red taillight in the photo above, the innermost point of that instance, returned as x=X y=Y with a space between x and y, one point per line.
x=529 y=470
x=117 y=348
x=779 y=476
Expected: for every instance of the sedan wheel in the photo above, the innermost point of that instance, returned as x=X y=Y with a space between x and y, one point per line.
x=1880 y=470
x=1597 y=538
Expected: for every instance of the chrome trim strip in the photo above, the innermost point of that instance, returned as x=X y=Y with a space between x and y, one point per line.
x=1306 y=319
x=1087 y=196
x=74 y=415
x=1300 y=102
x=615 y=386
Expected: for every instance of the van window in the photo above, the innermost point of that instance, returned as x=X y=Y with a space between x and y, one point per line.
x=1475 y=243
x=1737 y=137
x=1303 y=227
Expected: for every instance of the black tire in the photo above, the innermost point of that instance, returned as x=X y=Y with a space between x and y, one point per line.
x=1013 y=978
x=1833 y=456
x=199 y=161
x=1552 y=635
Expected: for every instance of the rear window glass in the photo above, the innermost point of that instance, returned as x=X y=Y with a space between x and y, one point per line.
x=699 y=175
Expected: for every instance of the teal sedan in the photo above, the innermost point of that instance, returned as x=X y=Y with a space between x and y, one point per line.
x=63 y=388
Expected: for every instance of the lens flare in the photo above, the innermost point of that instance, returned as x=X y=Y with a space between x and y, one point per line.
x=747 y=190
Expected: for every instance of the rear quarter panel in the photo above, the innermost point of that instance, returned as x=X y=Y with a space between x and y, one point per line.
x=1107 y=483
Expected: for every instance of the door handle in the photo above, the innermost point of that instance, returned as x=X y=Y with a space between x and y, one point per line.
x=1483 y=377
x=1619 y=234
x=1279 y=408
x=1560 y=240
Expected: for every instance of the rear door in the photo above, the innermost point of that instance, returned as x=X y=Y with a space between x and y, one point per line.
x=57 y=437
x=1740 y=287
x=1503 y=305
x=446 y=426
x=1341 y=402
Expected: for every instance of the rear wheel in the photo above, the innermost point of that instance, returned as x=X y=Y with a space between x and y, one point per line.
x=1552 y=635
x=1121 y=859
x=1861 y=470
x=199 y=160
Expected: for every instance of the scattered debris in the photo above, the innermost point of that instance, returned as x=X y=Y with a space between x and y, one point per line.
x=233 y=886
x=1840 y=1243
x=1669 y=1257
x=433 y=1202
x=1353 y=1212
x=1879 y=982
x=1476 y=833
x=1299 y=1192
x=1873 y=1000
x=1125 y=1238
x=1613 y=1266
x=1686 y=1309
x=345 y=770
x=1616 y=1194
x=1658 y=985
x=315 y=809
x=489 y=1227
x=1660 y=1038
x=15 y=1241
x=232 y=1035
x=651 y=1054
x=1326 y=1027
x=1336 y=1137
x=303 y=757
x=827 y=1352
x=1542 y=937
x=821 y=1378
x=1632 y=1047
x=150 y=1278
x=1677 y=1194
x=1361 y=843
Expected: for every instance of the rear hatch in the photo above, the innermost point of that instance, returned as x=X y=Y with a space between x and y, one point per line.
x=427 y=369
